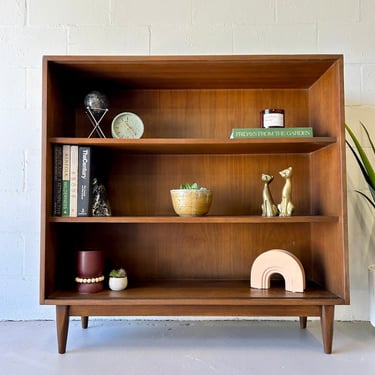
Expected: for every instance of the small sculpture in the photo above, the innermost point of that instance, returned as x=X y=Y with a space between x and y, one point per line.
x=269 y=207
x=100 y=203
x=96 y=107
x=281 y=262
x=286 y=206
x=96 y=102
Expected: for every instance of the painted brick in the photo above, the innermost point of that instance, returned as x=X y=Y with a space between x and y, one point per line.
x=355 y=41
x=13 y=88
x=68 y=12
x=173 y=39
x=25 y=46
x=302 y=11
x=368 y=84
x=12 y=248
x=23 y=213
x=352 y=79
x=34 y=88
x=32 y=178
x=233 y=12
x=297 y=38
x=32 y=250
x=367 y=10
x=12 y=170
x=25 y=123
x=145 y=12
x=13 y=12
x=109 y=40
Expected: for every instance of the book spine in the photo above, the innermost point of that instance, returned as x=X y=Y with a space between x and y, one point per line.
x=57 y=179
x=84 y=181
x=73 y=180
x=271 y=132
x=65 y=196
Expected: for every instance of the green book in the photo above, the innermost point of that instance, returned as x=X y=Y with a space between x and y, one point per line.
x=271 y=132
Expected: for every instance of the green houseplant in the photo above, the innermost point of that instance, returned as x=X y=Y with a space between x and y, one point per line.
x=364 y=163
x=118 y=279
x=369 y=175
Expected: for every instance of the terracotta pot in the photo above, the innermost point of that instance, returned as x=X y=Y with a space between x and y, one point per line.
x=90 y=265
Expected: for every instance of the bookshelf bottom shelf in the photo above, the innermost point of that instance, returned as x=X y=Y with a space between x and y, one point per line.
x=203 y=298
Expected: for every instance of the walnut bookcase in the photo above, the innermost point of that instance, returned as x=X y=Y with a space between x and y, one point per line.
x=199 y=266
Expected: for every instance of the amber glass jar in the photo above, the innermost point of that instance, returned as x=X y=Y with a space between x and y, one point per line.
x=272 y=118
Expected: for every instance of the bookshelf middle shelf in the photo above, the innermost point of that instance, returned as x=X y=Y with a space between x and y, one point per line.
x=196 y=220
x=204 y=145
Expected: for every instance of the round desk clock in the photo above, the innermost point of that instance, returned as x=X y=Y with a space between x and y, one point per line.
x=127 y=125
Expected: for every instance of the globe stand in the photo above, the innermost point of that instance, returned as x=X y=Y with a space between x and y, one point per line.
x=96 y=123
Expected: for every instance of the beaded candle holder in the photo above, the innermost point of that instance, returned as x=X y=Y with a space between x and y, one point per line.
x=90 y=266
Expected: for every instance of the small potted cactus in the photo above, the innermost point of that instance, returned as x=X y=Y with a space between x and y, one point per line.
x=118 y=279
x=191 y=200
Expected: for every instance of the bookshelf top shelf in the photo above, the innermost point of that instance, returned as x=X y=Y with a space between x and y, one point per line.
x=194 y=72
x=205 y=146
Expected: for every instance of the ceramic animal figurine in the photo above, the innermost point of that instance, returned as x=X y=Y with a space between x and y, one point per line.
x=100 y=203
x=269 y=207
x=286 y=206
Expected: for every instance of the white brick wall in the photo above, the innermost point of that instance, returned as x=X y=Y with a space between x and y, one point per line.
x=235 y=12
x=317 y=11
x=13 y=12
x=109 y=40
x=275 y=38
x=32 y=28
x=146 y=12
x=68 y=12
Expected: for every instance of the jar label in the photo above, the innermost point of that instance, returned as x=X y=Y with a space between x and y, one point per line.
x=273 y=120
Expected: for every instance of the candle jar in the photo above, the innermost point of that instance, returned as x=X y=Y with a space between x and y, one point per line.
x=272 y=118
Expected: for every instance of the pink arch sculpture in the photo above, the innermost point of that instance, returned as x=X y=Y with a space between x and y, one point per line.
x=278 y=261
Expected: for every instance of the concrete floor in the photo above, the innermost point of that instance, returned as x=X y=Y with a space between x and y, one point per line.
x=186 y=347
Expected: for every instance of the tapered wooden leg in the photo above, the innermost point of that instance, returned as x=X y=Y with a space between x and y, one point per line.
x=303 y=322
x=84 y=321
x=326 y=320
x=62 y=325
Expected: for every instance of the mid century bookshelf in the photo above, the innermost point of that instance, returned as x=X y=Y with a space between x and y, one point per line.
x=199 y=266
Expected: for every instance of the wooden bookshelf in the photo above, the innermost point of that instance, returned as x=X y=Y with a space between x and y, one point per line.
x=199 y=266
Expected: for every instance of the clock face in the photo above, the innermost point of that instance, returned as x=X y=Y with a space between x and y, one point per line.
x=127 y=125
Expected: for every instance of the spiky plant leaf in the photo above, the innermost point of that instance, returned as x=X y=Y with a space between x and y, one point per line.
x=366 y=197
x=368 y=136
x=361 y=166
x=363 y=162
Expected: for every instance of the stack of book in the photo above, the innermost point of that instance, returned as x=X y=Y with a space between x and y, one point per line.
x=72 y=180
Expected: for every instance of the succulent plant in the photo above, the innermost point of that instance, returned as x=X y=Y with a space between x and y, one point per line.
x=191 y=186
x=117 y=273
